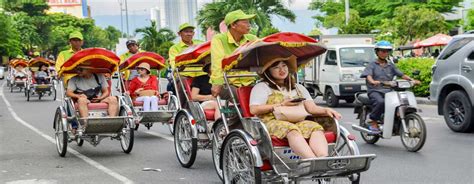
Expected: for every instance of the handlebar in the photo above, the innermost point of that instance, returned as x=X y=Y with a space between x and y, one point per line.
x=398 y=84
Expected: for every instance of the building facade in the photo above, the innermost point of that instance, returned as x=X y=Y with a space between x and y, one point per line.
x=77 y=8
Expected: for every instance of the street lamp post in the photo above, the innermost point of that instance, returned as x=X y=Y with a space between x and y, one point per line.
x=126 y=18
x=121 y=17
x=347 y=11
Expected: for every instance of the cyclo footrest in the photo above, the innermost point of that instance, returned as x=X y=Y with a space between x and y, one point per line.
x=99 y=125
x=339 y=166
x=155 y=116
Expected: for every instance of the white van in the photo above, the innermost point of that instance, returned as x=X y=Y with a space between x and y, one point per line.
x=336 y=74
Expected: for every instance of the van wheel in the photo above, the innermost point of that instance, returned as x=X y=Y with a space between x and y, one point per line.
x=331 y=99
x=458 y=112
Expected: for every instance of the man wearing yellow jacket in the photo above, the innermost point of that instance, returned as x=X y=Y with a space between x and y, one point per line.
x=76 y=40
x=224 y=44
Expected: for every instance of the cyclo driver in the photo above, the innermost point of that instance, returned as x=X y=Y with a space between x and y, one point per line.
x=375 y=73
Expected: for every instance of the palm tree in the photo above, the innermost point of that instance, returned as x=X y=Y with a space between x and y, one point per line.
x=154 y=38
x=213 y=13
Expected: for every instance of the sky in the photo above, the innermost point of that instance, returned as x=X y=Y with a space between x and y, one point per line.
x=112 y=7
x=107 y=12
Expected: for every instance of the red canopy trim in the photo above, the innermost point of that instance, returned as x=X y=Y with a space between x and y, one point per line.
x=276 y=45
x=155 y=60
x=192 y=61
x=35 y=62
x=13 y=61
x=194 y=55
x=102 y=60
x=20 y=63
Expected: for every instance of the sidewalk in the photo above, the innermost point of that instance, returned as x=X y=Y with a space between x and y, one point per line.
x=424 y=100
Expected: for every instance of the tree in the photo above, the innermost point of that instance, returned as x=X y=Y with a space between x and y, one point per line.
x=10 y=38
x=410 y=23
x=154 y=38
x=212 y=14
x=470 y=20
x=113 y=35
x=31 y=7
x=374 y=12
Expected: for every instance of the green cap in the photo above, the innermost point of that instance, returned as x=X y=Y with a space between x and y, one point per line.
x=236 y=15
x=76 y=34
x=184 y=26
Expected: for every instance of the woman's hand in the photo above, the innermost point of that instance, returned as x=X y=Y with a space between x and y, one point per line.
x=288 y=102
x=334 y=114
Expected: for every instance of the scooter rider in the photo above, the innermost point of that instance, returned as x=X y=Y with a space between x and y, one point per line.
x=376 y=72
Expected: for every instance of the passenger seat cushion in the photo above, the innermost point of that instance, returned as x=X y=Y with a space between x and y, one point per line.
x=209 y=114
x=243 y=95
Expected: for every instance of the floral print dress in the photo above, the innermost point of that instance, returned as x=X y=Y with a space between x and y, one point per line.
x=280 y=128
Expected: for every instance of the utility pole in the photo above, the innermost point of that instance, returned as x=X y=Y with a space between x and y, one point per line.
x=121 y=18
x=347 y=11
x=126 y=18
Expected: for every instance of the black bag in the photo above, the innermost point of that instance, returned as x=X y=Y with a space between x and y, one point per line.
x=93 y=92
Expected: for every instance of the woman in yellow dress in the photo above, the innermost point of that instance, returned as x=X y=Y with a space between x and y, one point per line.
x=279 y=89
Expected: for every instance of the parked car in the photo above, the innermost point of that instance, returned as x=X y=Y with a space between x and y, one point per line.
x=452 y=86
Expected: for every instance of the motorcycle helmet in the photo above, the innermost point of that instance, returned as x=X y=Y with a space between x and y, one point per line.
x=383 y=45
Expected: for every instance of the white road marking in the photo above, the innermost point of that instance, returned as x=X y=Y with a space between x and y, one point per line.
x=91 y=162
x=164 y=136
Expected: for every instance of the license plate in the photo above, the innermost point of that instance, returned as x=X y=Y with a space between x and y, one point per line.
x=363 y=87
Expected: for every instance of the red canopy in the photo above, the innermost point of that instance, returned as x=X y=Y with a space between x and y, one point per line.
x=155 y=60
x=199 y=54
x=98 y=60
x=35 y=62
x=255 y=54
x=436 y=40
x=19 y=62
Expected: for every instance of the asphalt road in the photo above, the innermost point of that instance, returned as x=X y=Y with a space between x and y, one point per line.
x=28 y=153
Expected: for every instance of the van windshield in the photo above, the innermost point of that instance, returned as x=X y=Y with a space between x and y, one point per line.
x=356 y=56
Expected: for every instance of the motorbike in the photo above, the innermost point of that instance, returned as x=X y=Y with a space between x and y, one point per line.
x=400 y=118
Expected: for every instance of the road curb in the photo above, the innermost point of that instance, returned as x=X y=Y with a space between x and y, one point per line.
x=426 y=101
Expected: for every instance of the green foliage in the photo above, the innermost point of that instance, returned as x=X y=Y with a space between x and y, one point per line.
x=377 y=14
x=409 y=65
x=470 y=20
x=212 y=14
x=31 y=7
x=155 y=40
x=113 y=35
x=10 y=38
x=410 y=23
x=315 y=32
x=268 y=31
x=48 y=33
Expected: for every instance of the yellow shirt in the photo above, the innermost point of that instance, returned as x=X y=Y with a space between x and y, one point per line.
x=175 y=50
x=223 y=45
x=63 y=56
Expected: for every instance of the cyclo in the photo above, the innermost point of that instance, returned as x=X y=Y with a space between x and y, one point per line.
x=195 y=127
x=251 y=155
x=32 y=86
x=98 y=124
x=15 y=80
x=167 y=103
